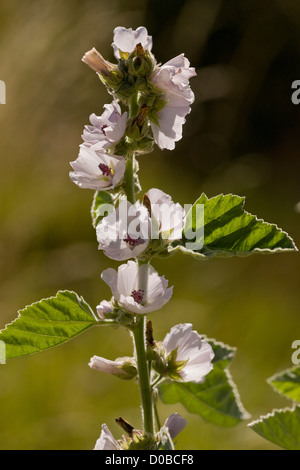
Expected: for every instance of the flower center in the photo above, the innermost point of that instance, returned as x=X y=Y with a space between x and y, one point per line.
x=106 y=170
x=103 y=127
x=133 y=242
x=138 y=295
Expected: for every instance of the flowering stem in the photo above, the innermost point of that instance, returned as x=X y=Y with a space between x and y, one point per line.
x=144 y=381
x=139 y=331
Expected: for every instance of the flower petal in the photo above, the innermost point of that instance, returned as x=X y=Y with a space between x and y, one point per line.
x=106 y=440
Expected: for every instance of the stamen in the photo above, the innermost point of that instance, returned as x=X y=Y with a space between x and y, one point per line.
x=106 y=170
x=133 y=242
x=103 y=127
x=138 y=295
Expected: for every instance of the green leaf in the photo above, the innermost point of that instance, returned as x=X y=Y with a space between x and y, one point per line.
x=224 y=354
x=229 y=230
x=102 y=204
x=287 y=383
x=47 y=323
x=282 y=427
x=216 y=400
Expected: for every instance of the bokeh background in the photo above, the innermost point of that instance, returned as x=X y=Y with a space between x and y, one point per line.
x=241 y=137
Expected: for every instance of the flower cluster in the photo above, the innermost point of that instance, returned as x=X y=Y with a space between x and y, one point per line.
x=163 y=96
x=159 y=98
x=182 y=356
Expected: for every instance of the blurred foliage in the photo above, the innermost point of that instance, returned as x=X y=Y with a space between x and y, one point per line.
x=241 y=137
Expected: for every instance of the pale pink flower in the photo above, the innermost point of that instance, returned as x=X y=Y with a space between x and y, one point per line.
x=106 y=130
x=106 y=440
x=190 y=348
x=125 y=40
x=103 y=308
x=172 y=79
x=121 y=367
x=97 y=170
x=169 y=217
x=128 y=292
x=125 y=232
x=175 y=424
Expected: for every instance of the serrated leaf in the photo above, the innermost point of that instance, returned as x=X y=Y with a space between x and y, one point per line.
x=47 y=323
x=101 y=206
x=282 y=427
x=216 y=400
x=229 y=230
x=287 y=383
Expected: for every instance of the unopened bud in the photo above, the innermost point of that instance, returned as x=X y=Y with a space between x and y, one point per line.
x=123 y=367
x=140 y=51
x=94 y=59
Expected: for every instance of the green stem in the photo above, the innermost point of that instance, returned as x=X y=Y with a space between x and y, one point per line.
x=157 y=416
x=129 y=179
x=144 y=381
x=139 y=331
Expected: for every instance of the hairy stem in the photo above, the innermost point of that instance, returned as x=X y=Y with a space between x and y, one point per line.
x=143 y=371
x=139 y=330
x=129 y=179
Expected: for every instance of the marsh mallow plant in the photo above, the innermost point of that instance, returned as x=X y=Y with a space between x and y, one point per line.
x=149 y=105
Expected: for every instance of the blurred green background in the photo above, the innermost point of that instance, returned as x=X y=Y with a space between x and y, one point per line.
x=241 y=137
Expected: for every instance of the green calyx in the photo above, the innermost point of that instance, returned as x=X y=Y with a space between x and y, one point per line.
x=139 y=441
x=167 y=365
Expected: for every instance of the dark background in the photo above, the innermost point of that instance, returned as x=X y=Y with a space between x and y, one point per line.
x=241 y=137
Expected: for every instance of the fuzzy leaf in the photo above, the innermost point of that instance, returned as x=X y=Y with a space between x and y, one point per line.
x=101 y=198
x=229 y=230
x=216 y=400
x=287 y=383
x=47 y=323
x=282 y=427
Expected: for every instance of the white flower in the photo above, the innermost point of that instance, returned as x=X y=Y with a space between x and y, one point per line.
x=106 y=130
x=172 y=79
x=125 y=40
x=169 y=217
x=175 y=424
x=97 y=170
x=197 y=354
x=103 y=308
x=128 y=292
x=122 y=367
x=125 y=232
x=106 y=440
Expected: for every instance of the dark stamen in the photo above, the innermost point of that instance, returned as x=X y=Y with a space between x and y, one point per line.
x=137 y=295
x=133 y=242
x=106 y=171
x=103 y=127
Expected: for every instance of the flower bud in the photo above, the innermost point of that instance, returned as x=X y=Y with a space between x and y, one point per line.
x=96 y=61
x=122 y=367
x=108 y=73
x=140 y=63
x=138 y=126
